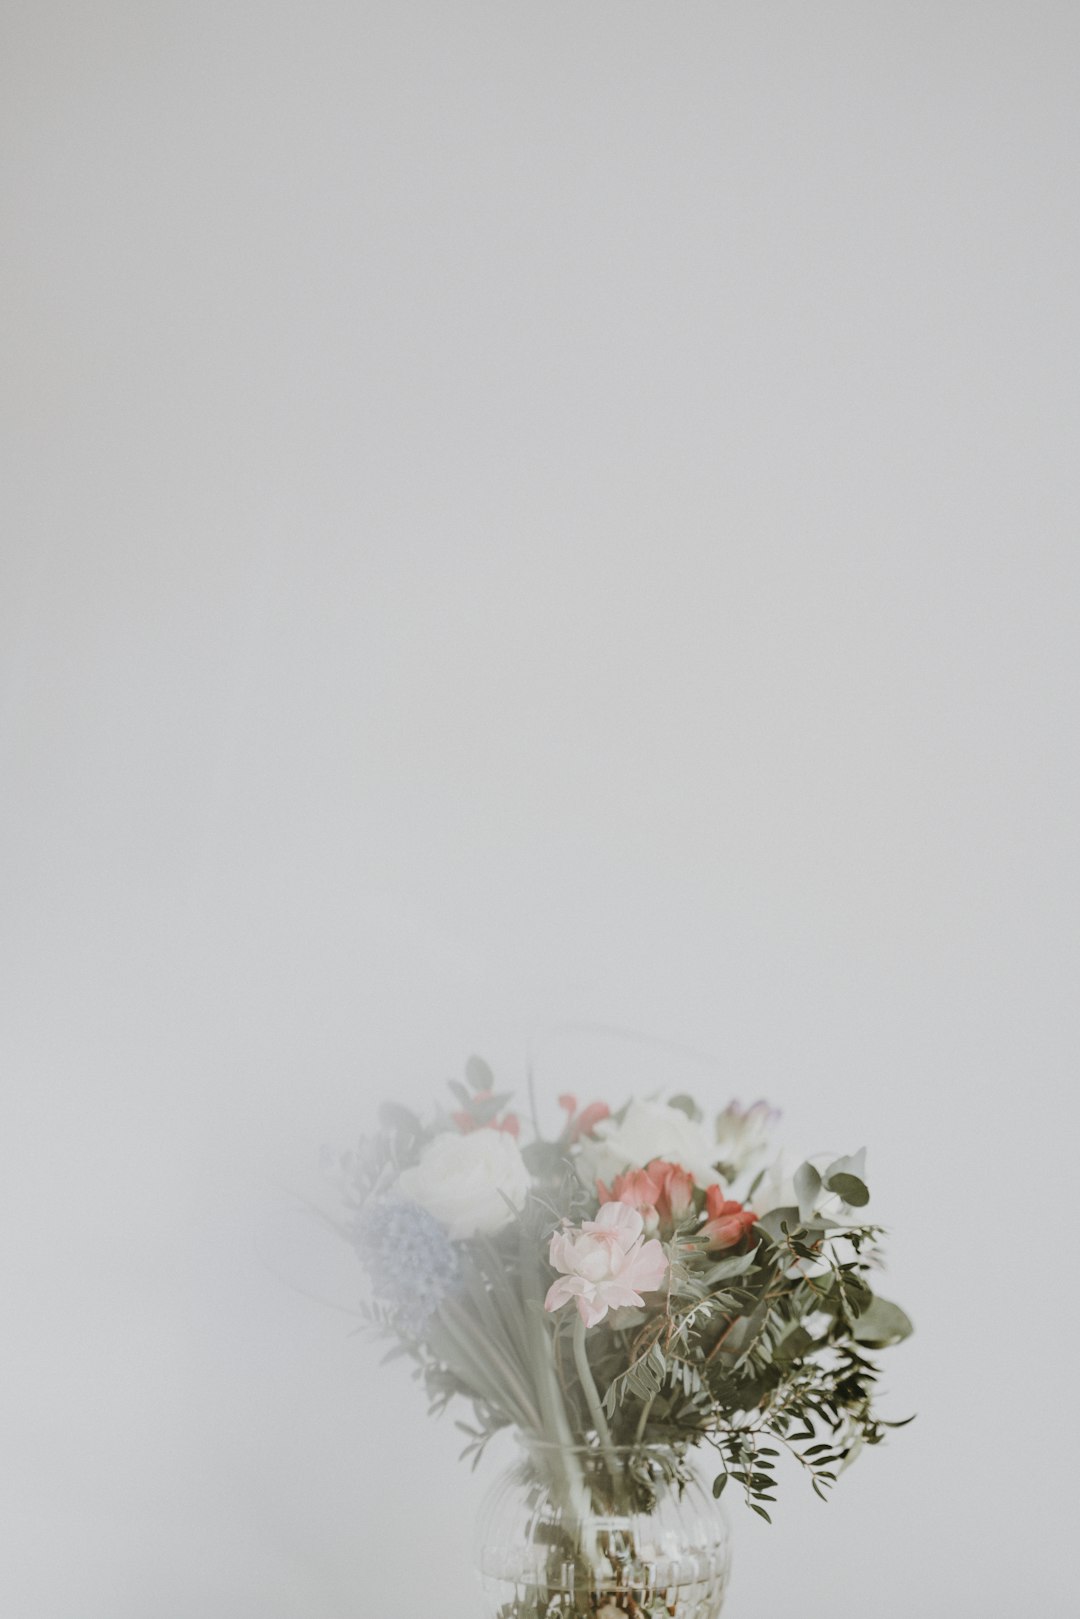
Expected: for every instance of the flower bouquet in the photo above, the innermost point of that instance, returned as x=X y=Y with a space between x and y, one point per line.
x=643 y=1290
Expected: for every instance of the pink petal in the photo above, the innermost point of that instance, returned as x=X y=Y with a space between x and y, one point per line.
x=621 y=1220
x=558 y=1255
x=562 y=1291
x=591 y=1311
x=647 y=1267
x=618 y=1296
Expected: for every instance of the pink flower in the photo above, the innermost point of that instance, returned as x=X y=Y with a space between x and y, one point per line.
x=676 y=1185
x=662 y=1193
x=638 y=1190
x=606 y=1265
x=728 y=1222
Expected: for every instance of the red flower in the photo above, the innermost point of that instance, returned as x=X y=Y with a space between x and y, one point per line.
x=728 y=1222
x=638 y=1190
x=676 y=1185
x=467 y=1122
x=662 y=1193
x=583 y=1123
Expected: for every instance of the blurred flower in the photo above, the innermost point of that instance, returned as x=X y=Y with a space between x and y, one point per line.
x=409 y=1257
x=583 y=1123
x=662 y=1193
x=472 y=1183
x=468 y=1122
x=742 y=1134
x=606 y=1265
x=776 y=1188
x=728 y=1222
x=648 y=1130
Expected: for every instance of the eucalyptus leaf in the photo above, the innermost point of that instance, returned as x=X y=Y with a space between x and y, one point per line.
x=882 y=1323
x=854 y=1192
x=847 y=1178
x=773 y=1222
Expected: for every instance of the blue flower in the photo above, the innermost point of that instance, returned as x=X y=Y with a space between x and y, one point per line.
x=409 y=1257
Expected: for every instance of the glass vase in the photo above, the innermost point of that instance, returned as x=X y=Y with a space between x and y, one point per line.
x=579 y=1532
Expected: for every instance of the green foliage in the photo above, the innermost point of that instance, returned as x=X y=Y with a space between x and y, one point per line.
x=762 y=1352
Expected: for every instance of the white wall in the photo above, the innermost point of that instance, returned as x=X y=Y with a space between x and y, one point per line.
x=519 y=514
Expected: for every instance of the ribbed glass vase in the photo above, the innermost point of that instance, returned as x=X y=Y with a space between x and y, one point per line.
x=576 y=1532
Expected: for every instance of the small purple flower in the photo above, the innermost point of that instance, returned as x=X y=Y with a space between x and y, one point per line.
x=409 y=1257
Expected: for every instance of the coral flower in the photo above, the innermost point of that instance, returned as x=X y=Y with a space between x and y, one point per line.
x=662 y=1193
x=676 y=1185
x=606 y=1265
x=638 y=1190
x=728 y=1222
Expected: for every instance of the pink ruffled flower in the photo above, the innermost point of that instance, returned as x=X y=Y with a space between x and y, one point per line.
x=728 y=1222
x=606 y=1265
x=662 y=1193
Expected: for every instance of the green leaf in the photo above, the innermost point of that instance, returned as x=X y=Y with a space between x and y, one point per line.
x=807 y=1188
x=793 y=1345
x=847 y=1178
x=760 y=1511
x=544 y=1159
x=854 y=1192
x=719 y=1484
x=882 y=1323
x=392 y=1116
x=772 y=1223
x=483 y=1112
x=725 y=1269
x=479 y=1075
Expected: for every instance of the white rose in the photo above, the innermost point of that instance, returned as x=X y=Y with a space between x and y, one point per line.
x=463 y=1180
x=648 y=1130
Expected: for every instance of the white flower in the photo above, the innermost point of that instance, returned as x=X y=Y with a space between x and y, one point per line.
x=464 y=1181
x=776 y=1188
x=742 y=1134
x=648 y=1130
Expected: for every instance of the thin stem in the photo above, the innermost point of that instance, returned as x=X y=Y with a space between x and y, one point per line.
x=592 y=1400
x=643 y=1419
x=588 y=1388
x=530 y=1076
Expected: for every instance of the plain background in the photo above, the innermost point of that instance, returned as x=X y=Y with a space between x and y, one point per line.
x=516 y=515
